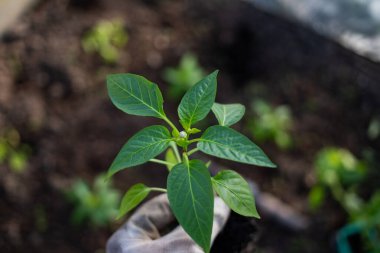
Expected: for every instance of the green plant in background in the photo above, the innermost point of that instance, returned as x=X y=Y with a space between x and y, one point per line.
x=106 y=38
x=272 y=124
x=373 y=131
x=338 y=171
x=96 y=205
x=12 y=152
x=365 y=221
x=184 y=76
x=190 y=187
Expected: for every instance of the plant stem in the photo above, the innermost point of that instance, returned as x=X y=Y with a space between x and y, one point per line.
x=176 y=152
x=192 y=151
x=170 y=123
x=158 y=189
x=161 y=162
x=186 y=158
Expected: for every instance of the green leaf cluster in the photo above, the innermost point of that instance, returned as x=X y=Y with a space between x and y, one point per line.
x=184 y=76
x=190 y=187
x=96 y=205
x=340 y=173
x=106 y=38
x=272 y=124
x=13 y=152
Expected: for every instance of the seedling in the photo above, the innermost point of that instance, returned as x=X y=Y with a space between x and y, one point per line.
x=365 y=222
x=373 y=131
x=12 y=152
x=97 y=205
x=184 y=76
x=106 y=38
x=272 y=124
x=190 y=187
x=338 y=171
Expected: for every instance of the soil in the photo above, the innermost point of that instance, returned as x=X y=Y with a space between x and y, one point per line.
x=54 y=94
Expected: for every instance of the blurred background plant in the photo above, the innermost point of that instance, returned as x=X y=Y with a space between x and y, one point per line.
x=184 y=76
x=340 y=173
x=374 y=128
x=272 y=123
x=106 y=38
x=13 y=152
x=364 y=222
x=97 y=205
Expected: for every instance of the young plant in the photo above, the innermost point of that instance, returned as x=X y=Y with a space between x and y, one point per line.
x=106 y=38
x=340 y=172
x=366 y=223
x=272 y=124
x=183 y=77
x=190 y=187
x=373 y=131
x=97 y=205
x=13 y=152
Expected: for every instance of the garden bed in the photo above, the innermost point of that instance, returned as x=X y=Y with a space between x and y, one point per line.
x=54 y=94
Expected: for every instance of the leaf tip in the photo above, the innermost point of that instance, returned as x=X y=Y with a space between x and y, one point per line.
x=215 y=72
x=272 y=165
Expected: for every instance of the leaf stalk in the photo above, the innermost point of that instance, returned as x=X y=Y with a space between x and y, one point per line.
x=176 y=152
x=192 y=151
x=158 y=189
x=161 y=162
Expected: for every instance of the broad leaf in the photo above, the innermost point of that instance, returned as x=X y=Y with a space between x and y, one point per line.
x=197 y=102
x=224 y=142
x=144 y=145
x=135 y=95
x=132 y=198
x=228 y=114
x=192 y=201
x=170 y=158
x=235 y=192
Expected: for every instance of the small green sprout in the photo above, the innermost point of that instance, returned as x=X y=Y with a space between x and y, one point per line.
x=12 y=152
x=106 y=38
x=272 y=124
x=96 y=205
x=184 y=76
x=190 y=187
x=374 y=128
x=339 y=171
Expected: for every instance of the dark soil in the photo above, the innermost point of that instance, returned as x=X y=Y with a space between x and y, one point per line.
x=54 y=95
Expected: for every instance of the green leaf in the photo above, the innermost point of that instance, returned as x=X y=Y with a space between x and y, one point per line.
x=170 y=158
x=144 y=145
x=228 y=114
x=134 y=196
x=316 y=196
x=135 y=95
x=235 y=192
x=197 y=102
x=192 y=201
x=224 y=142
